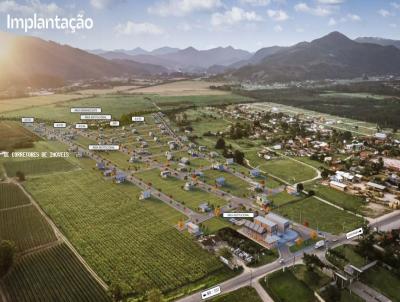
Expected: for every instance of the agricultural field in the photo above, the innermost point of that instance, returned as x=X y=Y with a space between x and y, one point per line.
x=248 y=294
x=12 y=196
x=34 y=101
x=182 y=88
x=53 y=274
x=215 y=224
x=320 y=216
x=383 y=281
x=38 y=166
x=233 y=184
x=174 y=187
x=14 y=136
x=89 y=209
x=26 y=227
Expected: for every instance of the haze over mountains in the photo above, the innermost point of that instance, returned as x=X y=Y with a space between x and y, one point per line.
x=35 y=62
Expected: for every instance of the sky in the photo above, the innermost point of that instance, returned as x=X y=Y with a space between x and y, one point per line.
x=203 y=24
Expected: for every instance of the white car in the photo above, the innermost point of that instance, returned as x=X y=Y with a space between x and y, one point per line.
x=281 y=261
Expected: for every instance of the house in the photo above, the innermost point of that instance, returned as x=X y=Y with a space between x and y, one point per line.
x=202 y=148
x=145 y=195
x=253 y=230
x=108 y=173
x=120 y=177
x=134 y=131
x=144 y=145
x=255 y=173
x=172 y=145
x=193 y=153
x=198 y=173
x=188 y=186
x=184 y=160
x=151 y=134
x=218 y=167
x=213 y=154
x=380 y=136
x=193 y=228
x=220 y=181
x=262 y=200
x=229 y=161
x=204 y=207
x=338 y=185
x=139 y=139
x=283 y=223
x=165 y=174
x=182 y=167
x=100 y=165
x=134 y=159
x=169 y=155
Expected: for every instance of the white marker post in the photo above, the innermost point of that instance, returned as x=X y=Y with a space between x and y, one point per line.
x=137 y=118
x=27 y=120
x=354 y=233
x=211 y=292
x=60 y=125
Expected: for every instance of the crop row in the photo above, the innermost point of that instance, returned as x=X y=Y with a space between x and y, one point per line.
x=11 y=196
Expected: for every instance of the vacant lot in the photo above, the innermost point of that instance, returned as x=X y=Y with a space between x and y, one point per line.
x=182 y=88
x=383 y=281
x=248 y=294
x=320 y=216
x=119 y=236
x=38 y=166
x=17 y=104
x=54 y=274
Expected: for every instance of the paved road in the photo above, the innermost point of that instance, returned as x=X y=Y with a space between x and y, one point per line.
x=367 y=293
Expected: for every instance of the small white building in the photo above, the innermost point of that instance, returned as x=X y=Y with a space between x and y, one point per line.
x=145 y=195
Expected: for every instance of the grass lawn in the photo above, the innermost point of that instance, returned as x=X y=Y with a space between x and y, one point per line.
x=282 y=198
x=320 y=216
x=383 y=281
x=248 y=294
x=288 y=170
x=233 y=184
x=351 y=257
x=314 y=163
x=284 y=286
x=38 y=166
x=319 y=280
x=342 y=199
x=173 y=186
x=215 y=224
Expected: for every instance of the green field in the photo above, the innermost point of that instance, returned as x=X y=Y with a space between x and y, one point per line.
x=285 y=287
x=38 y=166
x=383 y=281
x=54 y=274
x=26 y=227
x=215 y=224
x=349 y=202
x=233 y=184
x=320 y=216
x=11 y=196
x=282 y=198
x=173 y=187
x=248 y=294
x=288 y=170
x=118 y=235
x=14 y=136
x=349 y=256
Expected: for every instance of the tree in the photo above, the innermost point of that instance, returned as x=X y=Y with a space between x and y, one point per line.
x=300 y=187
x=155 y=295
x=239 y=157
x=20 y=175
x=225 y=252
x=332 y=293
x=141 y=284
x=220 y=144
x=115 y=292
x=7 y=252
x=312 y=261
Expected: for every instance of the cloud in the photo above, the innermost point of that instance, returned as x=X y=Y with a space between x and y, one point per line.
x=331 y=1
x=396 y=5
x=349 y=17
x=277 y=15
x=256 y=2
x=384 y=13
x=182 y=7
x=320 y=11
x=102 y=4
x=132 y=28
x=31 y=7
x=332 y=22
x=278 y=28
x=354 y=17
x=233 y=16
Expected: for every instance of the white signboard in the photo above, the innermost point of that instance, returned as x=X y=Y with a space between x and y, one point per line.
x=137 y=118
x=114 y=123
x=85 y=110
x=60 y=125
x=238 y=215
x=211 y=292
x=354 y=233
x=27 y=120
x=103 y=147
x=95 y=117
x=81 y=126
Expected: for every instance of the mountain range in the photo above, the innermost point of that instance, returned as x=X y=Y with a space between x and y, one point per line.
x=379 y=41
x=31 y=61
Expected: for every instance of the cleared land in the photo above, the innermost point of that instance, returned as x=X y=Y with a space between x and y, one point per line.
x=38 y=166
x=174 y=187
x=26 y=227
x=320 y=216
x=182 y=88
x=11 y=196
x=233 y=184
x=118 y=235
x=247 y=294
x=54 y=274
x=17 y=104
